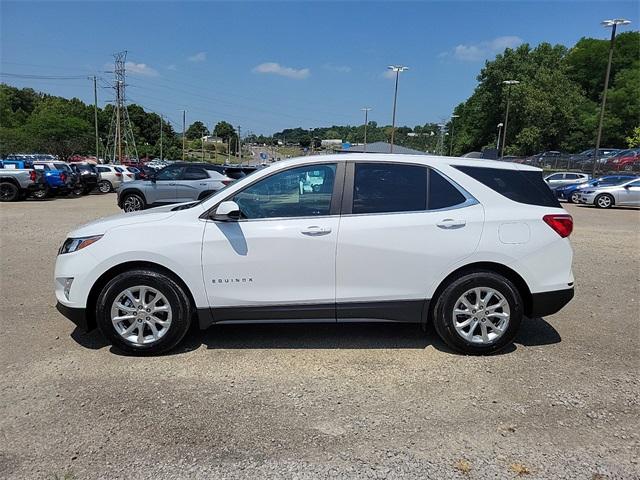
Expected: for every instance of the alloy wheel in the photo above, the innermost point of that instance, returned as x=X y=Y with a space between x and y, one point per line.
x=132 y=204
x=141 y=315
x=575 y=197
x=104 y=187
x=604 y=201
x=6 y=192
x=481 y=315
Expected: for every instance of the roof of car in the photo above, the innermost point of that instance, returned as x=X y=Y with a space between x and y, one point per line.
x=403 y=158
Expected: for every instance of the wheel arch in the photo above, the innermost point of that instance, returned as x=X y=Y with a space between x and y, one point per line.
x=493 y=267
x=11 y=180
x=121 y=268
x=129 y=191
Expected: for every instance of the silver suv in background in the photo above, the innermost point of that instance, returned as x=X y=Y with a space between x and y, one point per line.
x=561 y=179
x=176 y=183
x=110 y=177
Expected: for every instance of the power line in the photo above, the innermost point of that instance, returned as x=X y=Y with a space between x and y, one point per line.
x=43 y=77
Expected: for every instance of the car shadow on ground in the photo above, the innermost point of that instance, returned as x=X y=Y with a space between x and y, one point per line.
x=533 y=332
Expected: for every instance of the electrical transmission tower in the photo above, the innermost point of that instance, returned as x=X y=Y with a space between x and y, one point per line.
x=121 y=145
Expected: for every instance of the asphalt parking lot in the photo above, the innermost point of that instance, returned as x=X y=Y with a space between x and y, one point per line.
x=364 y=401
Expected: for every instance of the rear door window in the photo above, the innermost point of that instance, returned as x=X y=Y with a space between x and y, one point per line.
x=442 y=193
x=522 y=186
x=386 y=187
x=195 y=173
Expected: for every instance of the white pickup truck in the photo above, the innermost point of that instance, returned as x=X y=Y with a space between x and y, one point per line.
x=16 y=183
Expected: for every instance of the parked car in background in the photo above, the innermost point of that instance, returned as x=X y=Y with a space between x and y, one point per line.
x=623 y=160
x=470 y=247
x=58 y=180
x=234 y=172
x=560 y=179
x=586 y=157
x=128 y=173
x=87 y=174
x=571 y=193
x=19 y=181
x=606 y=196
x=545 y=159
x=176 y=183
x=110 y=177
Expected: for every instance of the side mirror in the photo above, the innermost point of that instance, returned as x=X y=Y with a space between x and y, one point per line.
x=227 y=212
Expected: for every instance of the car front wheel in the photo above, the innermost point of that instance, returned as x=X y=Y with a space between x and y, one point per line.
x=143 y=312
x=574 y=197
x=478 y=313
x=603 y=200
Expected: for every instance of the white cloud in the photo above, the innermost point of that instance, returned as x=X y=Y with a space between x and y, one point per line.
x=479 y=51
x=337 y=68
x=277 y=69
x=140 y=69
x=198 y=57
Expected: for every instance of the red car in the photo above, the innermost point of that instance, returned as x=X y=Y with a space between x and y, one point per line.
x=624 y=160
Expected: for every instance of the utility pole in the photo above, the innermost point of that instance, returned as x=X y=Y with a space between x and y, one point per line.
x=366 y=121
x=202 y=145
x=239 y=146
x=184 y=126
x=613 y=24
x=453 y=117
x=508 y=83
x=228 y=150
x=160 y=137
x=120 y=129
x=118 y=126
x=95 y=116
x=397 y=69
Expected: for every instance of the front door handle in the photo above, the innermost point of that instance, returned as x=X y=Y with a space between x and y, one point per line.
x=316 y=231
x=451 y=224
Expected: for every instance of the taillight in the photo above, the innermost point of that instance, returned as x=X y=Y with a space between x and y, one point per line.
x=118 y=174
x=63 y=177
x=227 y=182
x=562 y=224
x=32 y=175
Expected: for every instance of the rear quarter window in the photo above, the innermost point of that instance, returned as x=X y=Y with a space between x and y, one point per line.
x=520 y=186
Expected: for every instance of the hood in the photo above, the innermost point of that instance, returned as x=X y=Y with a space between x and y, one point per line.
x=103 y=225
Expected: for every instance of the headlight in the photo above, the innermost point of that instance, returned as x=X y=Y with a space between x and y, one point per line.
x=71 y=245
x=589 y=192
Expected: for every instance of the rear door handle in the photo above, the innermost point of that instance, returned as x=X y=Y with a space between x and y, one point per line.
x=451 y=224
x=316 y=231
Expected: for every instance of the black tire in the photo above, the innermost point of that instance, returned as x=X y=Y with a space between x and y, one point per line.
x=104 y=186
x=133 y=202
x=8 y=192
x=571 y=200
x=167 y=286
x=41 y=194
x=604 y=200
x=443 y=311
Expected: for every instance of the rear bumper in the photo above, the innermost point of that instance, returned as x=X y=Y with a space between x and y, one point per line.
x=76 y=315
x=548 y=303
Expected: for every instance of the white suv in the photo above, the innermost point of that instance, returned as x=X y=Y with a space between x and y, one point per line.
x=469 y=245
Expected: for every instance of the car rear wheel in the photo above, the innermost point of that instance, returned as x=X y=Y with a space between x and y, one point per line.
x=105 y=186
x=574 y=197
x=41 y=194
x=8 y=192
x=604 y=200
x=478 y=313
x=133 y=202
x=143 y=312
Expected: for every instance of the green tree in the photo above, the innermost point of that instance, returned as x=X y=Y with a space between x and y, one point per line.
x=196 y=130
x=55 y=133
x=633 y=140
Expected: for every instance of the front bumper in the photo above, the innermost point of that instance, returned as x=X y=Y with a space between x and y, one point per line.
x=588 y=199
x=76 y=315
x=548 y=303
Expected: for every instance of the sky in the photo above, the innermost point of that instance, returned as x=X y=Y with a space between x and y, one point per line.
x=271 y=65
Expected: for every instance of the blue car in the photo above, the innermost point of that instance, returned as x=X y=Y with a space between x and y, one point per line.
x=570 y=193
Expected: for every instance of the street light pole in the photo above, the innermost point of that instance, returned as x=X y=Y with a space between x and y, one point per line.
x=184 y=123
x=366 y=121
x=453 y=117
x=613 y=24
x=500 y=125
x=397 y=69
x=508 y=83
x=160 y=137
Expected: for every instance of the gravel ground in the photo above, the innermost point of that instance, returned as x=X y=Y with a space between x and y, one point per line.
x=361 y=401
